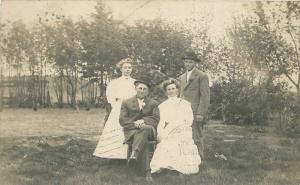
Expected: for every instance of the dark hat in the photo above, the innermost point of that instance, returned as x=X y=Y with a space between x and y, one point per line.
x=191 y=55
x=144 y=80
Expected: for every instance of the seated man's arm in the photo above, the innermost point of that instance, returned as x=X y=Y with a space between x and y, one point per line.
x=124 y=119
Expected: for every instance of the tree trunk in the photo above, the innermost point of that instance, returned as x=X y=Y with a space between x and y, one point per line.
x=1 y=89
x=45 y=85
x=73 y=83
x=61 y=89
x=41 y=84
x=48 y=99
x=298 y=88
x=298 y=93
x=75 y=91
x=19 y=86
x=68 y=94
x=82 y=91
x=101 y=82
x=68 y=86
x=35 y=92
x=92 y=93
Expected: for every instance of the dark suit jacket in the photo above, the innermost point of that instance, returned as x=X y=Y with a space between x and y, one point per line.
x=196 y=91
x=130 y=112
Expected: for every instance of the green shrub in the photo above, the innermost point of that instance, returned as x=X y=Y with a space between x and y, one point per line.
x=241 y=102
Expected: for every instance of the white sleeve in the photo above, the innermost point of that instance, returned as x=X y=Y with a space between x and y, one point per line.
x=188 y=113
x=160 y=126
x=110 y=92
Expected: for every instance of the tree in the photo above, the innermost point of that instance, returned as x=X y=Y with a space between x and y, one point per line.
x=155 y=43
x=40 y=62
x=101 y=45
x=292 y=13
x=17 y=50
x=64 y=49
x=279 y=22
x=2 y=35
x=257 y=55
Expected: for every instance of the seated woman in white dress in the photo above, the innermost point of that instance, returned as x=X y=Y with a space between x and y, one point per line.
x=176 y=149
x=111 y=140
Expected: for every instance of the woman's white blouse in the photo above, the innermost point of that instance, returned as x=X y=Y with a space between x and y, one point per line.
x=174 y=111
x=120 y=89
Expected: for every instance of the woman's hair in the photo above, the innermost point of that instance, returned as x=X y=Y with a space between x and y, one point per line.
x=120 y=64
x=170 y=81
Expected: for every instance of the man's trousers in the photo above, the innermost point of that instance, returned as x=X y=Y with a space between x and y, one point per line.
x=141 y=144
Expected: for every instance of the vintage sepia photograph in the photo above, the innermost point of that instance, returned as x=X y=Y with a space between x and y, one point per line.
x=162 y=92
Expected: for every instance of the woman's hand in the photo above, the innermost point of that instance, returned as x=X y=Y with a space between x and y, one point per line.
x=158 y=139
x=166 y=124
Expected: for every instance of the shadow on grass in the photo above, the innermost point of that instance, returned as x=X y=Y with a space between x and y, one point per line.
x=69 y=160
x=64 y=157
x=250 y=161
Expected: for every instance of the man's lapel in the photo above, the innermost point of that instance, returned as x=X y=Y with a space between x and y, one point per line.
x=184 y=79
x=146 y=103
x=136 y=103
x=190 y=80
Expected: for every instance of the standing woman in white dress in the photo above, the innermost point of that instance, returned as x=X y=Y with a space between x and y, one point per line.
x=111 y=140
x=176 y=149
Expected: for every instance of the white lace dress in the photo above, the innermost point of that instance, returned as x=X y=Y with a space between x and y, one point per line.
x=110 y=144
x=176 y=150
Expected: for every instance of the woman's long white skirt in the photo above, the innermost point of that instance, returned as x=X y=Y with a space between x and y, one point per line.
x=177 y=151
x=110 y=144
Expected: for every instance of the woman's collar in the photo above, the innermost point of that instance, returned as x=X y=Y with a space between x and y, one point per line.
x=173 y=98
x=125 y=77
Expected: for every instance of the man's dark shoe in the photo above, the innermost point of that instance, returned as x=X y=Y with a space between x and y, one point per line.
x=149 y=177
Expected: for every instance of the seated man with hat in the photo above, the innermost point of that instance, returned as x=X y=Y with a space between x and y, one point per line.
x=139 y=117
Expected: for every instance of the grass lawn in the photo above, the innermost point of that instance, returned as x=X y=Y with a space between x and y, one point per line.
x=55 y=146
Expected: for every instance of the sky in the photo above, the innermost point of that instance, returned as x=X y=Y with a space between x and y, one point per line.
x=221 y=12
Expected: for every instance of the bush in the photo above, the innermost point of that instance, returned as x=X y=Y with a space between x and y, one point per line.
x=241 y=102
x=289 y=116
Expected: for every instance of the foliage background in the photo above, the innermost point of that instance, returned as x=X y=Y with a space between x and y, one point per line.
x=60 y=62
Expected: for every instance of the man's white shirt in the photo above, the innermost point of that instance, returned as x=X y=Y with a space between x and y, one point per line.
x=141 y=103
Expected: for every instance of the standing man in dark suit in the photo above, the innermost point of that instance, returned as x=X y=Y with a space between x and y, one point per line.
x=195 y=89
x=139 y=118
